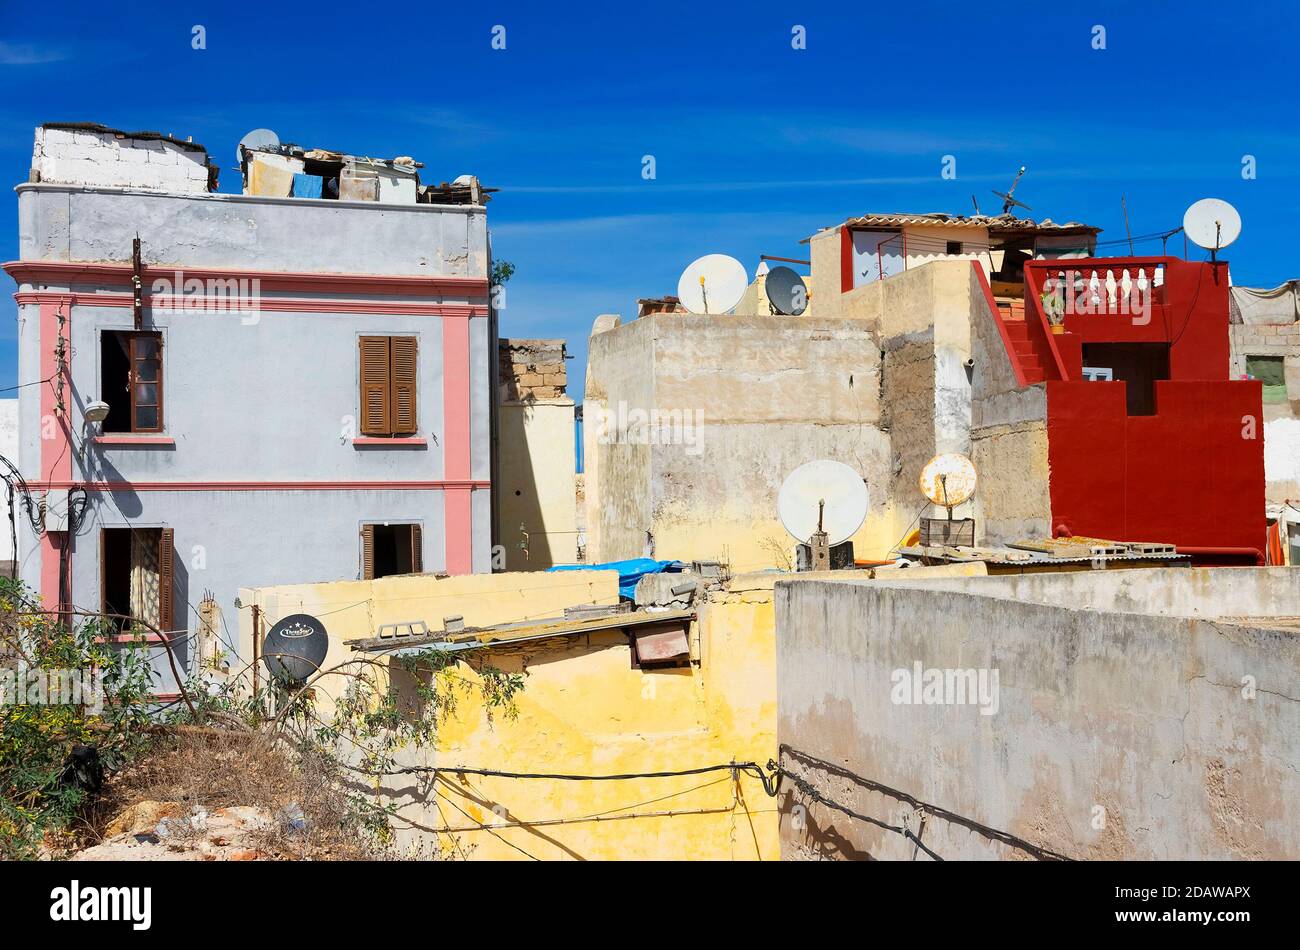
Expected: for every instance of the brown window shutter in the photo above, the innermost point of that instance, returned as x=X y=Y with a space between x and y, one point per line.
x=403 y=362
x=417 y=550
x=367 y=552
x=166 y=579
x=376 y=393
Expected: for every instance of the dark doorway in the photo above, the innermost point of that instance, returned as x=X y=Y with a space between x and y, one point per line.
x=1137 y=364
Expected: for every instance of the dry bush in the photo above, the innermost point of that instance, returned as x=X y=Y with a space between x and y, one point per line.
x=216 y=769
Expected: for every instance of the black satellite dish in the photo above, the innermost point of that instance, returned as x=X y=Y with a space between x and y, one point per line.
x=295 y=648
x=786 y=291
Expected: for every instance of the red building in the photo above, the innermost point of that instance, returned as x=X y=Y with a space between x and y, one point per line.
x=1148 y=437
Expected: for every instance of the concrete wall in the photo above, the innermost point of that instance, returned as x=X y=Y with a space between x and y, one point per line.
x=583 y=710
x=1008 y=437
x=258 y=400
x=536 y=485
x=758 y=396
x=1139 y=714
x=1281 y=420
x=62 y=223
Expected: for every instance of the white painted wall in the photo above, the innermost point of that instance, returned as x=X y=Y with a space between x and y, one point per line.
x=75 y=157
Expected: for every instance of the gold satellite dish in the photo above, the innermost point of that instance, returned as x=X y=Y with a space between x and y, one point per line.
x=948 y=479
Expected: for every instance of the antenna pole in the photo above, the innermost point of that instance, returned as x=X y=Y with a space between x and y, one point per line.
x=1127 y=230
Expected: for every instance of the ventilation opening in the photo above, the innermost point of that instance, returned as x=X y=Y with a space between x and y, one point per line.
x=1137 y=364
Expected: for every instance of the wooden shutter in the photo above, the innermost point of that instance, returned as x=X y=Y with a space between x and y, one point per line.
x=417 y=550
x=166 y=579
x=375 y=387
x=367 y=552
x=402 y=363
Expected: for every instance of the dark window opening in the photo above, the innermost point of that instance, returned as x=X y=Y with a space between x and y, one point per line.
x=136 y=576
x=131 y=381
x=954 y=247
x=389 y=549
x=1271 y=371
x=1138 y=365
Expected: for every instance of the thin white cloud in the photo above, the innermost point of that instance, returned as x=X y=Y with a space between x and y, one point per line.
x=28 y=54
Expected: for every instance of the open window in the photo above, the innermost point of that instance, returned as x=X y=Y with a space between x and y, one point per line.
x=389 y=549
x=1271 y=371
x=137 y=576
x=131 y=381
x=1137 y=364
x=388 y=394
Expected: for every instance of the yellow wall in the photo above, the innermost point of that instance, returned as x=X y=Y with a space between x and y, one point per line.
x=583 y=710
x=536 y=486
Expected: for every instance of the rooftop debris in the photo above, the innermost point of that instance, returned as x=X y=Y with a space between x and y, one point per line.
x=291 y=171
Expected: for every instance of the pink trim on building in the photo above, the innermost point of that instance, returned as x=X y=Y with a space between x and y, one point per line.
x=119 y=275
x=458 y=514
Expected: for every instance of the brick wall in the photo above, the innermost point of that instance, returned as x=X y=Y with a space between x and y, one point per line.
x=532 y=370
x=117 y=160
x=1262 y=340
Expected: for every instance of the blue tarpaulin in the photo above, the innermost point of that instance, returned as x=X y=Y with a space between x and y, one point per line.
x=307 y=186
x=629 y=572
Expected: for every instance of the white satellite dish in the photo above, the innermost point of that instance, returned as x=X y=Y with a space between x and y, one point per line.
x=1212 y=223
x=827 y=492
x=713 y=283
x=948 y=479
x=258 y=140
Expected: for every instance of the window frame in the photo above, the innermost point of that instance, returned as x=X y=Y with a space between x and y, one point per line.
x=391 y=386
x=132 y=338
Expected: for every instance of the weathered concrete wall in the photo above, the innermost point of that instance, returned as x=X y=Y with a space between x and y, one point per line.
x=1133 y=720
x=1008 y=437
x=745 y=400
x=1282 y=419
x=535 y=488
x=65 y=223
x=536 y=501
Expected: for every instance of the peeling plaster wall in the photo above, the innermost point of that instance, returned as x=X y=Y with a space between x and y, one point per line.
x=1117 y=690
x=62 y=223
x=1008 y=438
x=760 y=395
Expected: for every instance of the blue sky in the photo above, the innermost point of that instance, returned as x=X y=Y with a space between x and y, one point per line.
x=756 y=144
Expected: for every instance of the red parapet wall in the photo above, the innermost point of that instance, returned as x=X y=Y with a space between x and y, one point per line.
x=1190 y=475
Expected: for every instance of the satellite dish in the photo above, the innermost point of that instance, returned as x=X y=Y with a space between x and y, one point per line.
x=786 y=291
x=827 y=492
x=258 y=140
x=1212 y=223
x=948 y=479
x=713 y=283
x=295 y=648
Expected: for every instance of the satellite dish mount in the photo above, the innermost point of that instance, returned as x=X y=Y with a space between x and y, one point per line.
x=1008 y=199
